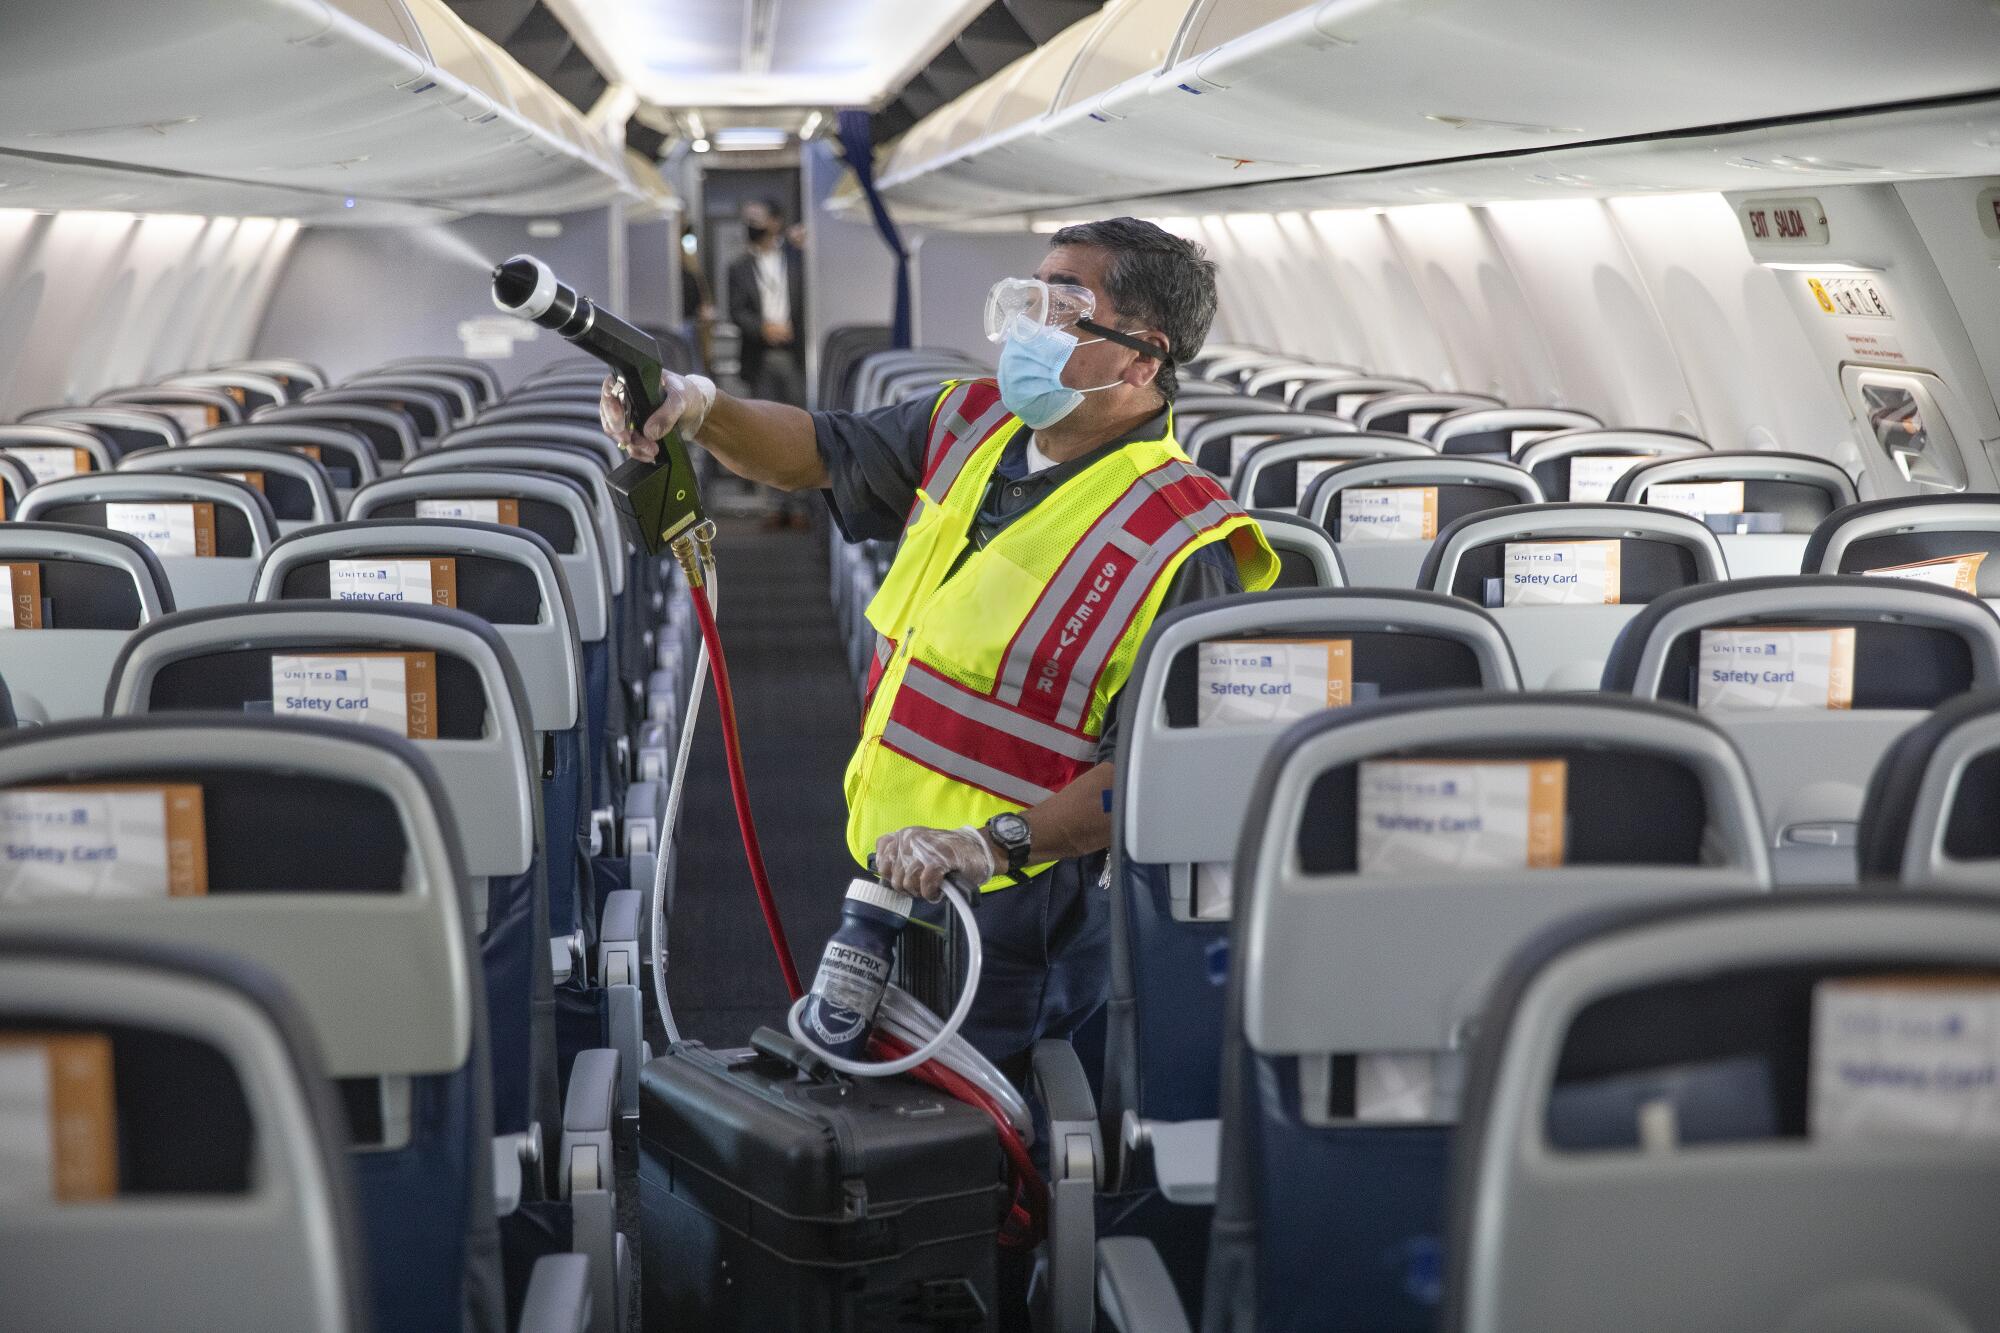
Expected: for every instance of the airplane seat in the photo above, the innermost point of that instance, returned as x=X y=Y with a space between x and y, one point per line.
x=582 y=432
x=299 y=488
x=249 y=389
x=192 y=409
x=208 y=532
x=477 y=376
x=325 y=853
x=578 y=411
x=1223 y=437
x=1343 y=395
x=1814 y=678
x=1195 y=721
x=391 y=431
x=1563 y=579
x=1502 y=432
x=15 y=481
x=1283 y=380
x=1394 y=857
x=840 y=358
x=1946 y=539
x=1306 y=558
x=1927 y=814
x=1584 y=465
x=127 y=429
x=1684 y=1116
x=50 y=451
x=1277 y=475
x=459 y=396
x=1384 y=513
x=1762 y=506
x=878 y=368
x=431 y=413
x=438 y=677
x=560 y=512
x=80 y=591
x=296 y=376
x=1415 y=413
x=170 y=1123
x=350 y=460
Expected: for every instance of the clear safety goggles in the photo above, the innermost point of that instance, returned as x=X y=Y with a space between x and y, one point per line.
x=1019 y=308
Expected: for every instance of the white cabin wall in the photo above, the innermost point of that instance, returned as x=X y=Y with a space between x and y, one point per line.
x=953 y=271
x=850 y=272
x=91 y=301
x=1967 y=259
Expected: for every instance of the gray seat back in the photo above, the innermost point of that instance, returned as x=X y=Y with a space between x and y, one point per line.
x=164 y=505
x=1415 y=413
x=484 y=754
x=49 y=451
x=346 y=453
x=305 y=497
x=1908 y=649
x=527 y=429
x=1288 y=377
x=453 y=389
x=393 y=432
x=1907 y=530
x=1587 y=1149
x=1222 y=439
x=1337 y=957
x=1305 y=553
x=133 y=428
x=506 y=576
x=1305 y=457
x=1564 y=647
x=453 y=455
x=231 y=1207
x=1584 y=465
x=15 y=479
x=555 y=507
x=303 y=374
x=96 y=587
x=1343 y=395
x=320 y=851
x=469 y=369
x=1460 y=485
x=1502 y=432
x=192 y=409
x=249 y=389
x=432 y=414
x=1799 y=491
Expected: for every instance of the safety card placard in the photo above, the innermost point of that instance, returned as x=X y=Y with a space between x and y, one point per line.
x=103 y=841
x=21 y=585
x=1418 y=816
x=1591 y=476
x=1241 y=681
x=169 y=529
x=1947 y=571
x=46 y=462
x=1389 y=514
x=392 y=691
x=1578 y=573
x=496 y=510
x=1697 y=499
x=422 y=582
x=58 y=1118
x=1906 y=1057
x=1775 y=667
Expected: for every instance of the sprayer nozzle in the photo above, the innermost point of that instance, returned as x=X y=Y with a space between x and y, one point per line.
x=525 y=286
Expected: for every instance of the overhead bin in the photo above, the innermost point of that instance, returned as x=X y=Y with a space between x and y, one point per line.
x=356 y=111
x=1249 y=92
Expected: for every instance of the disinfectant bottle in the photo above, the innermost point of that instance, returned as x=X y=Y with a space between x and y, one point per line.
x=854 y=970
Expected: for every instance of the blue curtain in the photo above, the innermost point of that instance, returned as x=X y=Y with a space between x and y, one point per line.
x=857 y=145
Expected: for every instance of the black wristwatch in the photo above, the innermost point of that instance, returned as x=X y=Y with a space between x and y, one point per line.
x=1011 y=831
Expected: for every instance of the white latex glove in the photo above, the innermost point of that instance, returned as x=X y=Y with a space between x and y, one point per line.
x=688 y=399
x=916 y=860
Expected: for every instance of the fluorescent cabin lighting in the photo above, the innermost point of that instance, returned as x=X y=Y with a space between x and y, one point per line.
x=699 y=145
x=750 y=138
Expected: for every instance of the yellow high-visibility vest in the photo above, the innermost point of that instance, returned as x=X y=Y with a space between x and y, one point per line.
x=992 y=675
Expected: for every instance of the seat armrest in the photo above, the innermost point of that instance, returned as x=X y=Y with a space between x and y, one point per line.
x=1184 y=1154
x=587 y=1120
x=565 y=956
x=558 y=1297
x=514 y=1156
x=645 y=802
x=1134 y=1293
x=618 y=926
x=1059 y=1084
x=1076 y=1155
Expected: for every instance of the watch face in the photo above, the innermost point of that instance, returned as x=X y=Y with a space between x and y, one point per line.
x=1010 y=828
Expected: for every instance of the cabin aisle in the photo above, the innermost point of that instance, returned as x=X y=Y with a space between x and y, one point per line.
x=798 y=715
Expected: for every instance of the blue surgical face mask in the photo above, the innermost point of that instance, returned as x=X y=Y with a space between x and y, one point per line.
x=1031 y=383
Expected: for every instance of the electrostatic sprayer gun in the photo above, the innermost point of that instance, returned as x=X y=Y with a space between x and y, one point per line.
x=657 y=501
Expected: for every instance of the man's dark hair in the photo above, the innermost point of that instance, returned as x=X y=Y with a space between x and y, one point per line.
x=1158 y=279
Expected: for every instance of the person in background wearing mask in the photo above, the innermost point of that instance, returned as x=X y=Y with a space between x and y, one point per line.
x=767 y=304
x=1045 y=520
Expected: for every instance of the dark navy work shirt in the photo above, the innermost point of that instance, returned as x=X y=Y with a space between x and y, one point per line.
x=875 y=461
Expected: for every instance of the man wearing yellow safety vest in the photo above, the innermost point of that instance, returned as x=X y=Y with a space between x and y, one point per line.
x=1045 y=520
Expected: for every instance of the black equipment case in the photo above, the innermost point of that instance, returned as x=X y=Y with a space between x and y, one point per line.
x=774 y=1199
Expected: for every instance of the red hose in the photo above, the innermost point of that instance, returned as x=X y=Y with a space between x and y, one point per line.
x=739 y=791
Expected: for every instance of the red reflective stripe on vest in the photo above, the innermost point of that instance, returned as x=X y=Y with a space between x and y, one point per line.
x=964 y=418
x=977 y=751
